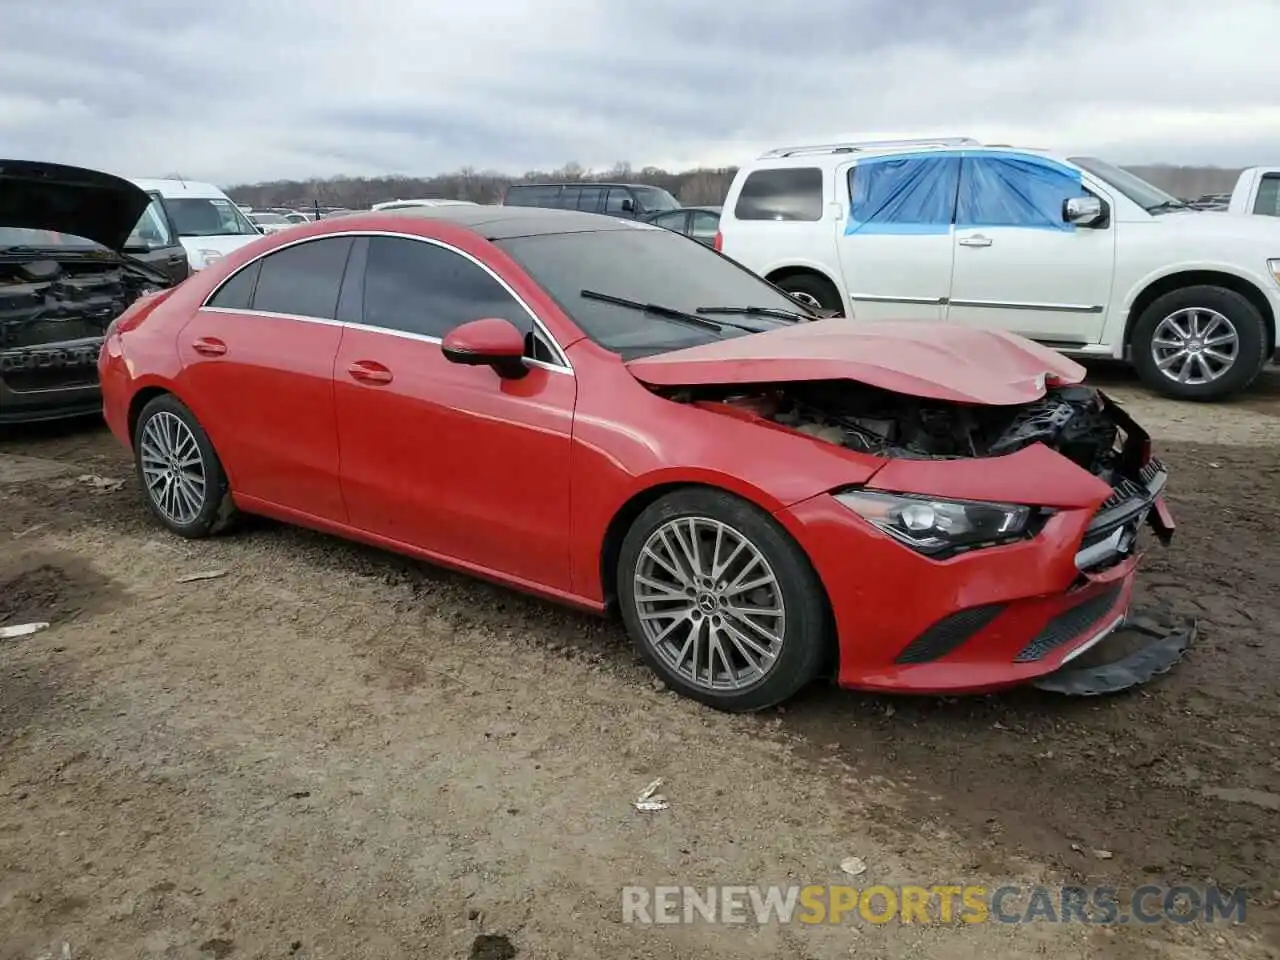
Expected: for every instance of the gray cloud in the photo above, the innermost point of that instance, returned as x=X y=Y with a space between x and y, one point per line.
x=244 y=90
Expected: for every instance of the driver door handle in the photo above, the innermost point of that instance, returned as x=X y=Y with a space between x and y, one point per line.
x=976 y=241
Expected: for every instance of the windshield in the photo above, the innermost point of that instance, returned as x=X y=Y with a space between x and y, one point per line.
x=208 y=217
x=152 y=231
x=1145 y=195
x=267 y=218
x=654 y=199
x=21 y=237
x=649 y=265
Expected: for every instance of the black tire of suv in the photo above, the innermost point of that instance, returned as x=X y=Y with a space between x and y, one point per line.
x=807 y=637
x=217 y=513
x=812 y=285
x=1250 y=328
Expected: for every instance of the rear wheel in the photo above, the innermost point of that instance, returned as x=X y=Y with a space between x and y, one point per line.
x=812 y=290
x=180 y=473
x=1199 y=343
x=721 y=602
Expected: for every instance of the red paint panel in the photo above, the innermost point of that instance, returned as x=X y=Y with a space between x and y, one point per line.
x=940 y=361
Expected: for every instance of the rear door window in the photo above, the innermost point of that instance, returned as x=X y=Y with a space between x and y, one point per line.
x=1267 y=202
x=589 y=199
x=568 y=199
x=303 y=280
x=784 y=193
x=237 y=292
x=536 y=195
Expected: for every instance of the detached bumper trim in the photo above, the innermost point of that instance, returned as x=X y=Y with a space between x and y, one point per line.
x=1166 y=643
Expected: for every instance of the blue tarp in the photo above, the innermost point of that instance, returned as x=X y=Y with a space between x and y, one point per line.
x=924 y=193
x=905 y=195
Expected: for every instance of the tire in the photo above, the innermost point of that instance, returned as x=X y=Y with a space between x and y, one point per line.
x=742 y=677
x=1208 y=306
x=166 y=424
x=813 y=290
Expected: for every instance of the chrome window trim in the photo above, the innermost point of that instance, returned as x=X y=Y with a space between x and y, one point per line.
x=563 y=365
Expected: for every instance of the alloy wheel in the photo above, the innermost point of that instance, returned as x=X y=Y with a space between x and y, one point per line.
x=172 y=468
x=1195 y=345
x=709 y=604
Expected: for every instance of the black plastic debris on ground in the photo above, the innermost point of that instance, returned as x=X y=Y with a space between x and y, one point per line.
x=1146 y=646
x=492 y=946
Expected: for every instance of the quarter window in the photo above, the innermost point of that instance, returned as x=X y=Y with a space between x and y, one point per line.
x=417 y=287
x=787 y=193
x=303 y=280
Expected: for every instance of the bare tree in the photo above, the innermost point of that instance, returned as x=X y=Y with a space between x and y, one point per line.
x=692 y=187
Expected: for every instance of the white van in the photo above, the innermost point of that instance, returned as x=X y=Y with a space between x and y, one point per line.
x=209 y=225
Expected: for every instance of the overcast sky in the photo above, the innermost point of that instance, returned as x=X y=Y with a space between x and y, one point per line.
x=240 y=91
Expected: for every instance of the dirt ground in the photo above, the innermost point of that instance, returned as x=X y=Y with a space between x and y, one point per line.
x=332 y=752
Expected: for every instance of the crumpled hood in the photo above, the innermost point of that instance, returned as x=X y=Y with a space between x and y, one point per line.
x=83 y=203
x=939 y=361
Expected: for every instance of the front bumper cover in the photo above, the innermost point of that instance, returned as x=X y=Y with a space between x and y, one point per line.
x=1157 y=643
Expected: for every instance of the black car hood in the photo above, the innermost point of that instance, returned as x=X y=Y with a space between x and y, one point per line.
x=73 y=200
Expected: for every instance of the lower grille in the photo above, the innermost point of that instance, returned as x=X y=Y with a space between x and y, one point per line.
x=948 y=633
x=1068 y=625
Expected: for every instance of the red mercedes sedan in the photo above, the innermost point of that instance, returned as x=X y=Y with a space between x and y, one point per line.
x=617 y=417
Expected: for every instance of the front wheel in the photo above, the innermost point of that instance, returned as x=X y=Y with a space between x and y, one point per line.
x=1199 y=343
x=721 y=603
x=180 y=473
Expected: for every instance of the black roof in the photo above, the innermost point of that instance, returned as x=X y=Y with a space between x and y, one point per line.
x=583 y=183
x=503 y=223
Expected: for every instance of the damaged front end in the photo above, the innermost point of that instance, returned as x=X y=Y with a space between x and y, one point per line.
x=1080 y=424
x=54 y=312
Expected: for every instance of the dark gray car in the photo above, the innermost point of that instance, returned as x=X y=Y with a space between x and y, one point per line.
x=65 y=274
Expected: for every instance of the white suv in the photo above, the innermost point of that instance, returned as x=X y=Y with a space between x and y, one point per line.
x=1074 y=253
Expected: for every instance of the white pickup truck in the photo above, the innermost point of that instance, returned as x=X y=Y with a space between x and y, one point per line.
x=1257 y=191
x=1075 y=253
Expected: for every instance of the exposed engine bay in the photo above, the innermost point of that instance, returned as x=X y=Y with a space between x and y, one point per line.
x=54 y=312
x=1076 y=421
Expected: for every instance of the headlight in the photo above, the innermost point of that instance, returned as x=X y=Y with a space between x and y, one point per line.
x=936 y=527
x=1274 y=267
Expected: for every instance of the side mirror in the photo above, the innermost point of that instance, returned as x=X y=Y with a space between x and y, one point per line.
x=628 y=205
x=492 y=342
x=1082 y=211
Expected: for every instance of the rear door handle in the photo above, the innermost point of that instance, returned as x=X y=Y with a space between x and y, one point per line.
x=978 y=241
x=209 y=347
x=369 y=371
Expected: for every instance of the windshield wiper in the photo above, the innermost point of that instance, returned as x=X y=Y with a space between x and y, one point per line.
x=1166 y=205
x=657 y=309
x=777 y=312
